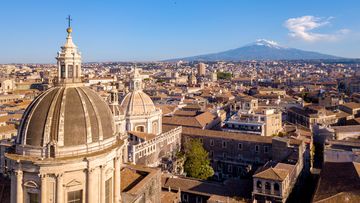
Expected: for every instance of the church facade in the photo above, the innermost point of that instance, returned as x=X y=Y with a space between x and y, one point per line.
x=67 y=148
x=72 y=146
x=147 y=143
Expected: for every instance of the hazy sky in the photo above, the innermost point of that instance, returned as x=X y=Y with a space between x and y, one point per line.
x=33 y=31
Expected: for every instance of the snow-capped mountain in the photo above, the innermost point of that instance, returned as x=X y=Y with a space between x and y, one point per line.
x=261 y=49
x=267 y=43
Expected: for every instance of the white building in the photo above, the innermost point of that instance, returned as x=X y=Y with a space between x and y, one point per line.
x=147 y=143
x=140 y=112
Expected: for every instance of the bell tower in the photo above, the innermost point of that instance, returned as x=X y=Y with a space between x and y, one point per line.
x=136 y=81
x=69 y=60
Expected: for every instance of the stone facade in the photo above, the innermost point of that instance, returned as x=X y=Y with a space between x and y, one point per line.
x=150 y=152
x=141 y=184
x=67 y=148
x=249 y=118
x=310 y=115
x=276 y=179
x=235 y=154
x=48 y=181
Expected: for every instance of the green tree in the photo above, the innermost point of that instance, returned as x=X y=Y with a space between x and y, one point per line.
x=197 y=163
x=224 y=76
x=160 y=81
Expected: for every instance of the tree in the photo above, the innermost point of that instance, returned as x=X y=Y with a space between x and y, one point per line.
x=197 y=163
x=224 y=76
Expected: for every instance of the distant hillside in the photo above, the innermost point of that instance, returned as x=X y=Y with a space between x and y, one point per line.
x=260 y=50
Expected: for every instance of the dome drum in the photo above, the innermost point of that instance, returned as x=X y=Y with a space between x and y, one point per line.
x=53 y=151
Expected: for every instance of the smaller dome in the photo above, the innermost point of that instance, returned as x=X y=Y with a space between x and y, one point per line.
x=137 y=103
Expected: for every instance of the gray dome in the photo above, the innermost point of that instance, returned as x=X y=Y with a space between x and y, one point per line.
x=66 y=116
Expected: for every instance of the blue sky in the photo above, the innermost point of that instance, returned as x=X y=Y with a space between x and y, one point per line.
x=33 y=31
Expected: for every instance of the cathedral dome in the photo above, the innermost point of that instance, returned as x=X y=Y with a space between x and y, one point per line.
x=66 y=116
x=137 y=103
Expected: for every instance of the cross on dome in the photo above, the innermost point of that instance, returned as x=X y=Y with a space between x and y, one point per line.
x=69 y=29
x=69 y=60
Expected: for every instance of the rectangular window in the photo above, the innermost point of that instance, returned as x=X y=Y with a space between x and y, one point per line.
x=230 y=168
x=266 y=149
x=256 y=148
x=70 y=71
x=62 y=71
x=224 y=154
x=108 y=191
x=211 y=153
x=33 y=197
x=75 y=196
x=185 y=197
x=198 y=199
x=224 y=144
x=240 y=146
x=211 y=142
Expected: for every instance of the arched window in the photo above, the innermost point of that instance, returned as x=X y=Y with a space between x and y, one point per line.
x=267 y=186
x=276 y=187
x=140 y=128
x=259 y=184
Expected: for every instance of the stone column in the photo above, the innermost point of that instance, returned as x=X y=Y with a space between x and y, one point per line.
x=43 y=188
x=90 y=182
x=117 y=194
x=133 y=154
x=59 y=188
x=102 y=184
x=66 y=71
x=13 y=188
x=19 y=188
x=263 y=187
x=59 y=71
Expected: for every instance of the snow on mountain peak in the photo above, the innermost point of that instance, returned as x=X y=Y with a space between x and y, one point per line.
x=268 y=43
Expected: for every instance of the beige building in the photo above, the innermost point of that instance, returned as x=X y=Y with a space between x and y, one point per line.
x=7 y=85
x=251 y=119
x=271 y=91
x=201 y=69
x=148 y=144
x=140 y=112
x=273 y=183
x=310 y=115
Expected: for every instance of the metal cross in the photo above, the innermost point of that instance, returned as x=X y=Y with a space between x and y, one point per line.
x=69 y=20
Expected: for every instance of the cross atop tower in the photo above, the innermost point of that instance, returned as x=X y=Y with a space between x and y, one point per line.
x=69 y=20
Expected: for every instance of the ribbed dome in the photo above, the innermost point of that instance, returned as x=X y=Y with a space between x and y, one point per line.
x=66 y=116
x=137 y=103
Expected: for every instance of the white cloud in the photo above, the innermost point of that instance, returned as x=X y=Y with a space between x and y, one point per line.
x=302 y=27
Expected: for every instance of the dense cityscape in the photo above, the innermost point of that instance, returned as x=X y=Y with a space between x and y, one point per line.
x=277 y=125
